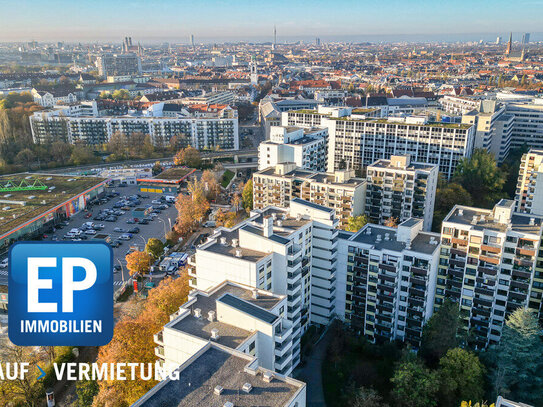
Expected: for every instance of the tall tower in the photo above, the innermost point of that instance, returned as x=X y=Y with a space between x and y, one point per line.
x=274 y=37
x=509 y=45
x=192 y=40
x=254 y=71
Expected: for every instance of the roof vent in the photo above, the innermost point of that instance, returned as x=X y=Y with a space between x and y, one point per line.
x=474 y=220
x=197 y=312
x=238 y=253
x=378 y=238
x=247 y=387
x=228 y=404
x=460 y=212
x=215 y=334
x=211 y=316
x=274 y=216
x=299 y=217
x=532 y=221
x=279 y=223
x=387 y=236
x=48 y=178
x=433 y=241
x=255 y=294
x=218 y=390
x=267 y=376
x=235 y=242
x=223 y=241
x=408 y=244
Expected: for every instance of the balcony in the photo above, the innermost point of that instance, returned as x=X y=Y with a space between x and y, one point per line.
x=159 y=351
x=159 y=338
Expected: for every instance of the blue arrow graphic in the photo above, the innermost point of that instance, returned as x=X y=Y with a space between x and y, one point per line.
x=42 y=372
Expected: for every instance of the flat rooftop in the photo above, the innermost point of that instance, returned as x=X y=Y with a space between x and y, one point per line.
x=312 y=176
x=230 y=335
x=57 y=189
x=217 y=367
x=464 y=215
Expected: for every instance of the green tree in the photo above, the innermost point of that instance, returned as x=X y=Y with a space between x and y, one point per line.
x=86 y=390
x=461 y=377
x=247 y=195
x=448 y=195
x=82 y=155
x=414 y=385
x=188 y=156
x=355 y=223
x=481 y=177
x=517 y=365
x=26 y=157
x=154 y=247
x=440 y=333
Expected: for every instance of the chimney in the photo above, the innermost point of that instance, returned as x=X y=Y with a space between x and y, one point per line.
x=267 y=376
x=255 y=294
x=197 y=312
x=268 y=226
x=223 y=241
x=235 y=242
x=215 y=334
x=218 y=390
x=238 y=253
x=532 y=221
x=474 y=220
x=460 y=212
x=299 y=217
x=211 y=316
x=279 y=223
x=247 y=387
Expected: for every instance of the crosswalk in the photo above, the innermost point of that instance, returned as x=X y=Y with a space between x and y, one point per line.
x=3 y=272
x=117 y=283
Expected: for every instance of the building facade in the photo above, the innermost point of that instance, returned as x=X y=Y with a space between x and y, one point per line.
x=279 y=185
x=118 y=64
x=399 y=189
x=490 y=265
x=529 y=194
x=390 y=278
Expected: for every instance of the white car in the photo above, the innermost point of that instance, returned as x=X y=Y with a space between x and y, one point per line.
x=155 y=202
x=153 y=215
x=90 y=232
x=4 y=263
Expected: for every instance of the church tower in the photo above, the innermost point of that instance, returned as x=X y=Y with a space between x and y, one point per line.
x=509 y=45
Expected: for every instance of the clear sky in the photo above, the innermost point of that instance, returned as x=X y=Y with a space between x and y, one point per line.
x=175 y=20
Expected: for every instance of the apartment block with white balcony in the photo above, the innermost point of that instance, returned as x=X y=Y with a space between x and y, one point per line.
x=400 y=189
x=341 y=190
x=307 y=148
x=243 y=318
x=289 y=252
x=529 y=194
x=390 y=276
x=490 y=265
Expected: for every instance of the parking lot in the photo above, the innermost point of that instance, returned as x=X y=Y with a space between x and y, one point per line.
x=157 y=227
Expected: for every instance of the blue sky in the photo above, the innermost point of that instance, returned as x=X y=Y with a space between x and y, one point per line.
x=170 y=20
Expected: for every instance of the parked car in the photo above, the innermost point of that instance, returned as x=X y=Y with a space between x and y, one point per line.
x=99 y=226
x=143 y=221
x=116 y=268
x=126 y=236
x=135 y=229
x=130 y=221
x=115 y=243
x=119 y=230
x=4 y=263
x=90 y=232
x=111 y=219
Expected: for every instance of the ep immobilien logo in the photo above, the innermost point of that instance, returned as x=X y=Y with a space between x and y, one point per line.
x=60 y=294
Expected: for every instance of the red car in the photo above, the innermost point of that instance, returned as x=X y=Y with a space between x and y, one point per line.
x=88 y=215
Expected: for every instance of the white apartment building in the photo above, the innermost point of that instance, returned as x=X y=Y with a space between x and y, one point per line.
x=66 y=124
x=341 y=190
x=53 y=97
x=306 y=148
x=528 y=125
x=290 y=252
x=217 y=375
x=388 y=280
x=494 y=128
x=211 y=98
x=356 y=141
x=247 y=319
x=529 y=194
x=490 y=265
x=400 y=189
x=459 y=105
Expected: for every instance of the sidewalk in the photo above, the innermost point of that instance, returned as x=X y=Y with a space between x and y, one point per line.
x=311 y=373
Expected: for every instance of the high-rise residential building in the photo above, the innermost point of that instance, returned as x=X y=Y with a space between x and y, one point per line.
x=529 y=194
x=220 y=376
x=279 y=185
x=493 y=128
x=387 y=280
x=244 y=318
x=399 y=189
x=490 y=265
x=528 y=123
x=356 y=141
x=525 y=39
x=498 y=40
x=118 y=64
x=69 y=125
x=306 y=147
x=290 y=252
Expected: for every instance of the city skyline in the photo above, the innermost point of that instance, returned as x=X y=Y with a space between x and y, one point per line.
x=246 y=21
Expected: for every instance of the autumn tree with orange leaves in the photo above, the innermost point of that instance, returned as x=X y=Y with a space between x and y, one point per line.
x=191 y=209
x=133 y=342
x=138 y=262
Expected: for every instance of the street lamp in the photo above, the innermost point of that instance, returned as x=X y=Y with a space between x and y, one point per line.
x=122 y=269
x=163 y=224
x=144 y=242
